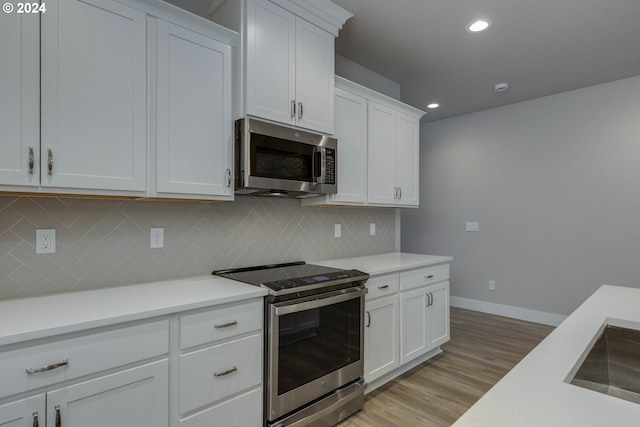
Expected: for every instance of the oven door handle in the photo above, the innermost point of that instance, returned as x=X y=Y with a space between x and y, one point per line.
x=320 y=302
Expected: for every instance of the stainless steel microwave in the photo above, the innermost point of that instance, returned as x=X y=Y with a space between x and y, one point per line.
x=275 y=160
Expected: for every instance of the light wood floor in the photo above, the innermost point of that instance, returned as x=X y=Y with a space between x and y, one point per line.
x=482 y=349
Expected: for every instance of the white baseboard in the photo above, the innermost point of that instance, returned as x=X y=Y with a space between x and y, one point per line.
x=508 y=311
x=374 y=384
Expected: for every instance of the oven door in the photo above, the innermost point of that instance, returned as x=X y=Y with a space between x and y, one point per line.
x=314 y=347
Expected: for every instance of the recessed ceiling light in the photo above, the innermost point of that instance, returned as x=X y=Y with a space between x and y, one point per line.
x=479 y=25
x=433 y=105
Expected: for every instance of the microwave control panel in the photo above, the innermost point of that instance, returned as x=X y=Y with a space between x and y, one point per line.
x=330 y=167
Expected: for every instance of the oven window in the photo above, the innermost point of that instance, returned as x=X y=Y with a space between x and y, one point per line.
x=281 y=159
x=316 y=342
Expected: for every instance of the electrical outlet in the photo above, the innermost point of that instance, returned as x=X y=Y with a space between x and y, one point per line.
x=372 y=229
x=46 y=241
x=492 y=285
x=157 y=238
x=337 y=230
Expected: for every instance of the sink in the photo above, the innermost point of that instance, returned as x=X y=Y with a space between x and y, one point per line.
x=612 y=365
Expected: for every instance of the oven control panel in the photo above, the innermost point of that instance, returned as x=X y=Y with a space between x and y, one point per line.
x=326 y=278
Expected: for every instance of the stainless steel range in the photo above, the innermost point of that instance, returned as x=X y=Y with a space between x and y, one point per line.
x=314 y=341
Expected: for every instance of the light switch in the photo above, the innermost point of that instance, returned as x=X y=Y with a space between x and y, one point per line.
x=473 y=226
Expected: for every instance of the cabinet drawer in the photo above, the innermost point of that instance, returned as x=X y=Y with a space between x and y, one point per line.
x=84 y=355
x=423 y=276
x=383 y=285
x=242 y=411
x=216 y=372
x=216 y=324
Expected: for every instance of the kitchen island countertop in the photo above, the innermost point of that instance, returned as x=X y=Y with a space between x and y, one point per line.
x=536 y=392
x=39 y=317
x=385 y=263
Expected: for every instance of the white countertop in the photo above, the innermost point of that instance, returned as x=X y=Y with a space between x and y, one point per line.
x=534 y=393
x=32 y=318
x=385 y=263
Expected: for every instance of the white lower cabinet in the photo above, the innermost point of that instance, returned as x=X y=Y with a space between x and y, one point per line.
x=186 y=369
x=134 y=397
x=220 y=367
x=70 y=390
x=425 y=320
x=244 y=410
x=406 y=316
x=381 y=337
x=28 y=412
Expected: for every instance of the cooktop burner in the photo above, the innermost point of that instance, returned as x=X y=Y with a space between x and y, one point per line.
x=293 y=277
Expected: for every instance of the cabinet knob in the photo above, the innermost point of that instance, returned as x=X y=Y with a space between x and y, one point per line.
x=429 y=276
x=368 y=319
x=228 y=177
x=383 y=286
x=299 y=110
x=293 y=108
x=35 y=420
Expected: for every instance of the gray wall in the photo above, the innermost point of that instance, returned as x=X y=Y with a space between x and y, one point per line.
x=555 y=185
x=103 y=243
x=357 y=73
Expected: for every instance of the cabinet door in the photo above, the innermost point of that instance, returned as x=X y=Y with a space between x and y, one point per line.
x=135 y=397
x=314 y=77
x=29 y=412
x=382 y=154
x=438 y=314
x=413 y=324
x=93 y=96
x=351 y=132
x=194 y=113
x=407 y=158
x=270 y=61
x=381 y=337
x=20 y=100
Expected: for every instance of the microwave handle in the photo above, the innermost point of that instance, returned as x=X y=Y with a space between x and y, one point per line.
x=319 y=164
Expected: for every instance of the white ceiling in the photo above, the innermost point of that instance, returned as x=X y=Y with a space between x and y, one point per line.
x=540 y=47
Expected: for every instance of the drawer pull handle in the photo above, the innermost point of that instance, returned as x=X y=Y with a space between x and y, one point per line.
x=226 y=325
x=368 y=319
x=46 y=368
x=32 y=159
x=58 y=418
x=383 y=286
x=227 y=372
x=429 y=276
x=35 y=419
x=50 y=161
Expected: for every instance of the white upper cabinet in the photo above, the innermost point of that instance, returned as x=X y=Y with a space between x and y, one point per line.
x=378 y=149
x=270 y=56
x=287 y=58
x=20 y=100
x=194 y=132
x=393 y=156
x=116 y=97
x=382 y=153
x=315 y=70
x=351 y=131
x=94 y=117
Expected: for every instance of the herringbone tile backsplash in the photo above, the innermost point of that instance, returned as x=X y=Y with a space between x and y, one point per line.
x=102 y=243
